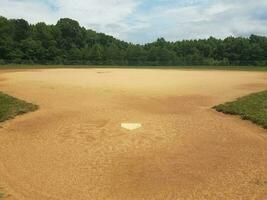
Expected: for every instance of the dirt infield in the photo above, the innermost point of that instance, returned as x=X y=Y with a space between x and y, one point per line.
x=74 y=148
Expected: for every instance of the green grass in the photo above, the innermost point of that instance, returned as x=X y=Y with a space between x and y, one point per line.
x=37 y=66
x=10 y=107
x=252 y=107
x=2 y=195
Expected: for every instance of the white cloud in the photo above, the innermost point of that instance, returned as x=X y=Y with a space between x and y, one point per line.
x=202 y=20
x=128 y=20
x=86 y=11
x=96 y=11
x=33 y=11
x=103 y=15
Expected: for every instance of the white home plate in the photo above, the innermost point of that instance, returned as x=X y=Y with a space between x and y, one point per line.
x=131 y=126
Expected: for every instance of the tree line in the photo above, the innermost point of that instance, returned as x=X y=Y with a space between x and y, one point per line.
x=67 y=42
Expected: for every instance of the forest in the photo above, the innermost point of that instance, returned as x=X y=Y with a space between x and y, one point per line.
x=67 y=42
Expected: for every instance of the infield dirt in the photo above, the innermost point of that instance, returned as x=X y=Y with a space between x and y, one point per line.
x=73 y=147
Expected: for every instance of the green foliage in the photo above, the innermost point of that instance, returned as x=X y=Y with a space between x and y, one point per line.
x=21 y=29
x=69 y=43
x=252 y=107
x=11 y=107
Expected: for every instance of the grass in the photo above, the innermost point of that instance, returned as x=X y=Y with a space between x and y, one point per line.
x=37 y=66
x=10 y=107
x=252 y=107
x=2 y=195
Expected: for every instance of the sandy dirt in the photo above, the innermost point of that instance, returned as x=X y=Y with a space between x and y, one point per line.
x=73 y=147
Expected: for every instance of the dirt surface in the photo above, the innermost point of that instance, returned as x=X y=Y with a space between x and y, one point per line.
x=73 y=147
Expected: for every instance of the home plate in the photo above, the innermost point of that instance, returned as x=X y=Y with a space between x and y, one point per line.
x=131 y=126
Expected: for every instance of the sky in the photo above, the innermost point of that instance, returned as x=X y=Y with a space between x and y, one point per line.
x=143 y=21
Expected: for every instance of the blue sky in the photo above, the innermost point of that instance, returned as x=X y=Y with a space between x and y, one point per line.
x=141 y=21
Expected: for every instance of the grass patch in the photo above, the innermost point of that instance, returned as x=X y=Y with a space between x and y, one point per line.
x=2 y=195
x=252 y=107
x=10 y=107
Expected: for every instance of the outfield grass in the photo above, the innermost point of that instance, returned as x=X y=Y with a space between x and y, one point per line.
x=10 y=107
x=33 y=66
x=252 y=107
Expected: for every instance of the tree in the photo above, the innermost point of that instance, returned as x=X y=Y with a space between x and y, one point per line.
x=71 y=34
x=21 y=29
x=69 y=43
x=6 y=41
x=96 y=54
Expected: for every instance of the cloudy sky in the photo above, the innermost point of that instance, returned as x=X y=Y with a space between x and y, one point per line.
x=142 y=21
